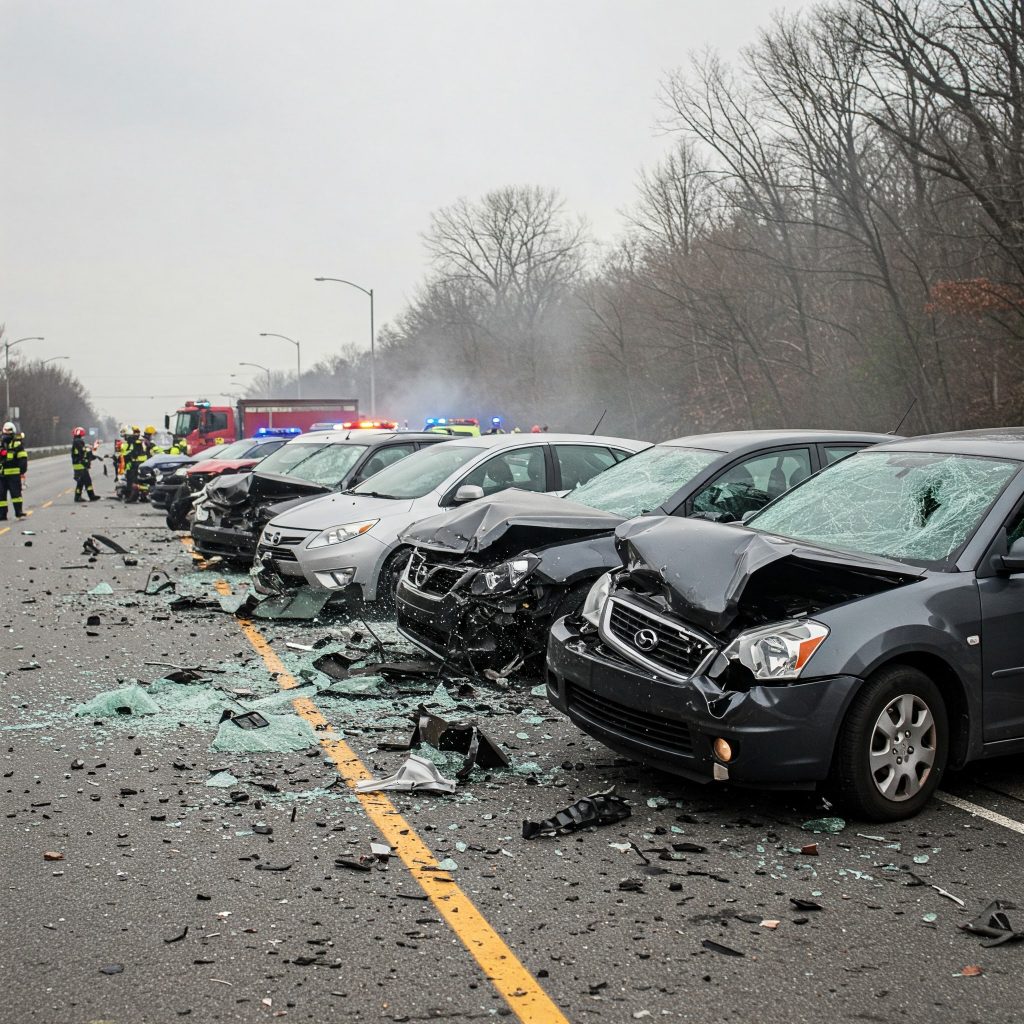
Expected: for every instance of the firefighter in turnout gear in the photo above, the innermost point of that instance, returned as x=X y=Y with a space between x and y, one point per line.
x=13 y=467
x=82 y=457
x=134 y=456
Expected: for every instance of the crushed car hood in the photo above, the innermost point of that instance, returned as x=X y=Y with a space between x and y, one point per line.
x=525 y=518
x=703 y=571
x=331 y=509
x=234 y=489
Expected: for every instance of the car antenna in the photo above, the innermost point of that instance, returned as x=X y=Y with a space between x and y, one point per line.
x=598 y=423
x=905 y=415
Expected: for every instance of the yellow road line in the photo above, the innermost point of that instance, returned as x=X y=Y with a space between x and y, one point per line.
x=46 y=504
x=6 y=529
x=527 y=1000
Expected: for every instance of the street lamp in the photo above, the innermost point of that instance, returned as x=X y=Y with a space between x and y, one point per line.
x=8 y=345
x=373 y=368
x=53 y=359
x=298 y=358
x=265 y=369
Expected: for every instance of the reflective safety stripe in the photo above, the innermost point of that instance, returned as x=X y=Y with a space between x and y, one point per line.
x=8 y=471
x=77 y=465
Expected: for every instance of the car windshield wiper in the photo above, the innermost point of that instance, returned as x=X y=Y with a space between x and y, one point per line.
x=371 y=494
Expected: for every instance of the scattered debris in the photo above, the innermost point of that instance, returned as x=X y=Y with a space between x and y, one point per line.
x=770 y=923
x=177 y=938
x=831 y=825
x=972 y=971
x=102 y=590
x=462 y=737
x=112 y=969
x=298 y=605
x=282 y=733
x=717 y=947
x=918 y=880
x=802 y=904
x=246 y=720
x=416 y=775
x=128 y=700
x=52 y=855
x=603 y=808
x=994 y=924
x=91 y=545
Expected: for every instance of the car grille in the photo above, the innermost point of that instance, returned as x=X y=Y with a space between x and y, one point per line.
x=679 y=652
x=651 y=730
x=430 y=576
x=283 y=550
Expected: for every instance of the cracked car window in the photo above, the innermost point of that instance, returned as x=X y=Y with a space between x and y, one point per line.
x=285 y=459
x=751 y=484
x=329 y=465
x=916 y=506
x=642 y=483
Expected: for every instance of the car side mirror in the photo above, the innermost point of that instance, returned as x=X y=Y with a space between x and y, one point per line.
x=468 y=492
x=167 y=422
x=1013 y=560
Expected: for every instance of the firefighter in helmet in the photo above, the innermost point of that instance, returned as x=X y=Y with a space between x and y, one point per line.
x=82 y=457
x=13 y=467
x=135 y=456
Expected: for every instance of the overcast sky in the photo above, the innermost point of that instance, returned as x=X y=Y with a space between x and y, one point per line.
x=176 y=173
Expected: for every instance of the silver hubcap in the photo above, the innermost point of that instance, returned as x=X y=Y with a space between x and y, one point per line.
x=902 y=747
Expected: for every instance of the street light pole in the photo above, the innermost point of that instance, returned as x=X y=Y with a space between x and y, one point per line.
x=298 y=358
x=8 y=345
x=373 y=360
x=265 y=369
x=53 y=359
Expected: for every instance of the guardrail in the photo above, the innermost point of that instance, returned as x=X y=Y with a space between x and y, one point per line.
x=53 y=449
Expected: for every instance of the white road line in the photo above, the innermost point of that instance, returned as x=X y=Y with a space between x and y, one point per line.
x=981 y=812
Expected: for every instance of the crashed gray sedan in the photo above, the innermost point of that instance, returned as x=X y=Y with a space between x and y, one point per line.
x=865 y=630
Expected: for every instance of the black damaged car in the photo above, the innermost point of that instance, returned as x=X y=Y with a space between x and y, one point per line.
x=485 y=581
x=230 y=514
x=862 y=631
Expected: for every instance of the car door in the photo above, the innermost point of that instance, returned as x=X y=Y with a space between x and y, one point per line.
x=575 y=464
x=750 y=483
x=1002 y=639
x=524 y=467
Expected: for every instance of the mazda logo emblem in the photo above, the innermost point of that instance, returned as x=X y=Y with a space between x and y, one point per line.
x=422 y=573
x=274 y=538
x=645 y=640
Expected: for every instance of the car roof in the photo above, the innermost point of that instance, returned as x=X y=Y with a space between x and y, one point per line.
x=513 y=440
x=367 y=435
x=737 y=442
x=991 y=442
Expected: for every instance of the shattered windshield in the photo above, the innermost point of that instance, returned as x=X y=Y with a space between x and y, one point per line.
x=643 y=482
x=328 y=465
x=420 y=473
x=287 y=457
x=916 y=506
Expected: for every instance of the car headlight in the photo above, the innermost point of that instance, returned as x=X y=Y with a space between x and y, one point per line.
x=780 y=651
x=596 y=597
x=505 y=577
x=202 y=513
x=340 y=534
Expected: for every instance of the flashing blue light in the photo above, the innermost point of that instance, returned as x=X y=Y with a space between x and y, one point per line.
x=496 y=421
x=431 y=420
x=278 y=431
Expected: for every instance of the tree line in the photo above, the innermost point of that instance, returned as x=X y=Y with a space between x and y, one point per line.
x=835 y=235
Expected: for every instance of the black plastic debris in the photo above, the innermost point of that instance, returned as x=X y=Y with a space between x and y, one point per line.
x=273 y=867
x=338 y=665
x=246 y=720
x=182 y=602
x=177 y=938
x=158 y=581
x=994 y=923
x=717 y=947
x=112 y=969
x=802 y=904
x=604 y=808
x=241 y=604
x=462 y=737
x=91 y=545
x=352 y=865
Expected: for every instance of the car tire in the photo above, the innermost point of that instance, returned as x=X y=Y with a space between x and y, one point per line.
x=387 y=581
x=893 y=745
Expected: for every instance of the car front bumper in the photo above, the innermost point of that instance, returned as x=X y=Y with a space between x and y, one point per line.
x=351 y=566
x=161 y=494
x=226 y=541
x=782 y=736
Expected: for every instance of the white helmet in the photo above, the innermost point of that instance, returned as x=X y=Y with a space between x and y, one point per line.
x=9 y=428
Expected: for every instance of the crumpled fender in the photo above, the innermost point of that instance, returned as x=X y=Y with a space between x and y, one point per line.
x=540 y=518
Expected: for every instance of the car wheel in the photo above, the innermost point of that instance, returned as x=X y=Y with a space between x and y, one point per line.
x=893 y=745
x=390 y=573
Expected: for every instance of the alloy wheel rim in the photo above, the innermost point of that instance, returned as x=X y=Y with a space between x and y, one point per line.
x=902 y=749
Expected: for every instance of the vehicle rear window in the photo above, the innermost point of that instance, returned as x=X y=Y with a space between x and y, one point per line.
x=420 y=473
x=916 y=506
x=235 y=450
x=644 y=481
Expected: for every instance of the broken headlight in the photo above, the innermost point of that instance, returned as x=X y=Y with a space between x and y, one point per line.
x=505 y=577
x=596 y=597
x=780 y=651
x=340 y=534
x=202 y=512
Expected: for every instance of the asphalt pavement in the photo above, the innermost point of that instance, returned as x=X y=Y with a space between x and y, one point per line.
x=156 y=869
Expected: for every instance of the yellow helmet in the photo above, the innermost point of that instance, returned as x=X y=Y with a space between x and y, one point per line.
x=136 y=430
x=150 y=430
